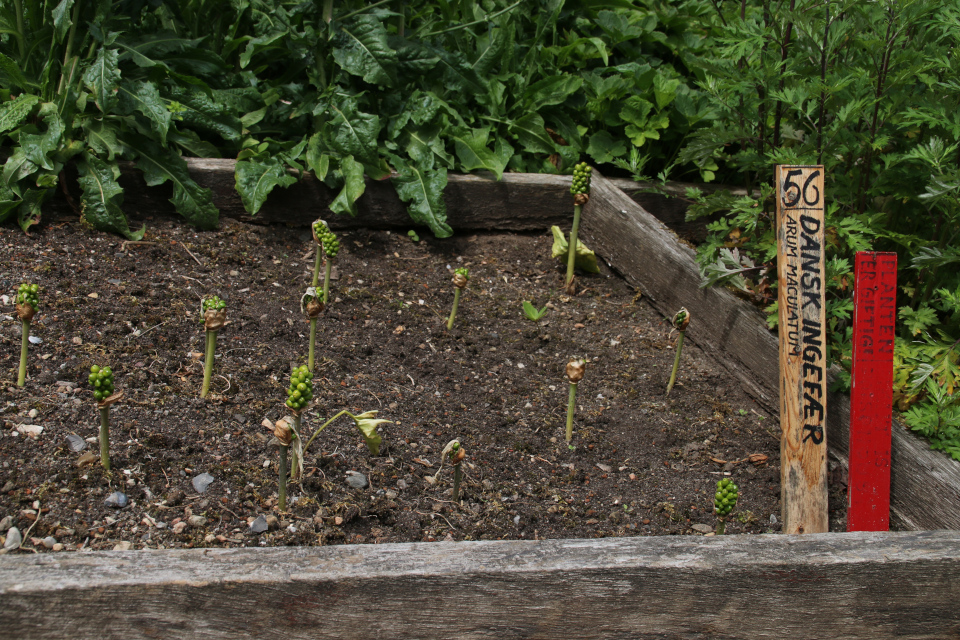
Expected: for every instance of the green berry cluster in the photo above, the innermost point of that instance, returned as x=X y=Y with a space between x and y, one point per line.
x=331 y=246
x=27 y=294
x=581 y=179
x=215 y=303
x=726 y=498
x=101 y=379
x=462 y=271
x=301 y=388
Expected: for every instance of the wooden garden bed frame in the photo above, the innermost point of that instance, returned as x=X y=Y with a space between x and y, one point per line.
x=862 y=585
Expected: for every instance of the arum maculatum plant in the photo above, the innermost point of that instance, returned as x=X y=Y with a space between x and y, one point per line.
x=580 y=189
x=680 y=322
x=455 y=453
x=575 y=370
x=327 y=241
x=27 y=304
x=724 y=501
x=366 y=422
x=101 y=379
x=214 y=312
x=461 y=276
x=283 y=431
x=299 y=395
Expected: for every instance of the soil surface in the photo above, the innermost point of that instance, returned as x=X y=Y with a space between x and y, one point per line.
x=641 y=462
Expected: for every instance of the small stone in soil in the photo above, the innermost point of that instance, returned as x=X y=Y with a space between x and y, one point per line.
x=14 y=539
x=196 y=521
x=357 y=480
x=6 y=523
x=49 y=541
x=272 y=522
x=702 y=528
x=401 y=485
x=202 y=481
x=259 y=525
x=124 y=545
x=116 y=500
x=76 y=443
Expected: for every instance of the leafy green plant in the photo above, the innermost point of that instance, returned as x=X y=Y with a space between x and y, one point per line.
x=27 y=304
x=575 y=370
x=213 y=315
x=680 y=322
x=366 y=422
x=461 y=276
x=531 y=312
x=585 y=260
x=101 y=380
x=413 y=235
x=580 y=189
x=724 y=501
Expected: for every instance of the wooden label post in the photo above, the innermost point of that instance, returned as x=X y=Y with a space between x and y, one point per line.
x=803 y=364
x=871 y=393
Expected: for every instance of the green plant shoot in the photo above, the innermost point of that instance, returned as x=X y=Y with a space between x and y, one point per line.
x=214 y=315
x=531 y=312
x=724 y=501
x=27 y=304
x=101 y=379
x=680 y=322
x=453 y=453
x=461 y=276
x=299 y=395
x=580 y=189
x=575 y=370
x=366 y=422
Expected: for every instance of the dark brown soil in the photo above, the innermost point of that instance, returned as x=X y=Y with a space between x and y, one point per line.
x=642 y=463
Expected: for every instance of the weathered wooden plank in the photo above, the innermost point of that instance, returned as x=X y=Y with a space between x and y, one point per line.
x=863 y=585
x=925 y=485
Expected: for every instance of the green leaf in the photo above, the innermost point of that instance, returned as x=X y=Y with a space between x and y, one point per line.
x=17 y=167
x=14 y=112
x=10 y=74
x=7 y=207
x=551 y=91
x=145 y=98
x=353 y=187
x=918 y=321
x=190 y=142
x=318 y=161
x=355 y=133
x=664 y=91
x=585 y=259
x=423 y=189
x=102 y=138
x=204 y=112
x=158 y=164
x=424 y=144
x=61 y=19
x=102 y=197
x=603 y=148
x=531 y=132
x=473 y=153
x=38 y=147
x=532 y=312
x=257 y=178
x=361 y=48
x=30 y=209
x=102 y=78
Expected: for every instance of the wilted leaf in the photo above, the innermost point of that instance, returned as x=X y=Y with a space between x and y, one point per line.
x=585 y=260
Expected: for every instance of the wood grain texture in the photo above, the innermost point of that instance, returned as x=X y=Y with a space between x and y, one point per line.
x=863 y=585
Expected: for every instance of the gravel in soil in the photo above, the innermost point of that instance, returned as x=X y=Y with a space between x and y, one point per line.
x=641 y=463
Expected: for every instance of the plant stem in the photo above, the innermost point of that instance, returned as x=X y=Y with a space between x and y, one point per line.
x=327 y=11
x=326 y=279
x=721 y=526
x=456 y=483
x=24 y=345
x=208 y=362
x=317 y=432
x=571 y=406
x=294 y=456
x=283 y=478
x=572 y=249
x=313 y=341
x=105 y=438
x=676 y=363
x=453 y=313
x=316 y=267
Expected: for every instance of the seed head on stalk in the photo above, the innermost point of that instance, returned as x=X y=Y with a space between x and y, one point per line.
x=680 y=322
x=214 y=316
x=299 y=395
x=101 y=379
x=328 y=242
x=575 y=371
x=461 y=276
x=27 y=303
x=724 y=501
x=580 y=189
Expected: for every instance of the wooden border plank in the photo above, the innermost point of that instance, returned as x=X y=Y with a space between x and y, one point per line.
x=858 y=586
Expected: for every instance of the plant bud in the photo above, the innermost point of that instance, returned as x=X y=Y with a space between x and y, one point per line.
x=459 y=280
x=25 y=312
x=575 y=371
x=681 y=320
x=456 y=457
x=214 y=319
x=314 y=308
x=580 y=199
x=283 y=432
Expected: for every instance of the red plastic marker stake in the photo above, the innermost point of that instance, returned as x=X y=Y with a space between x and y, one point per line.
x=871 y=395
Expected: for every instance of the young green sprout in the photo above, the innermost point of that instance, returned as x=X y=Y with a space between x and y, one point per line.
x=532 y=312
x=284 y=434
x=724 y=501
x=27 y=304
x=580 y=189
x=101 y=379
x=575 y=371
x=299 y=395
x=214 y=311
x=680 y=322
x=461 y=276
x=456 y=455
